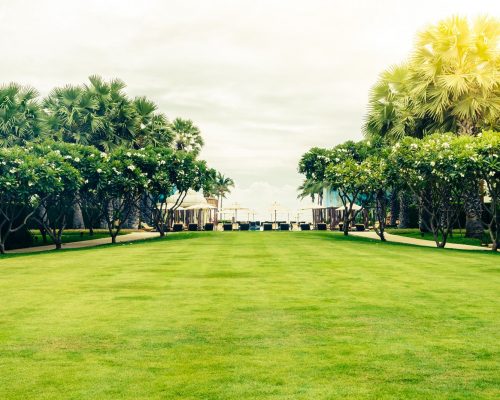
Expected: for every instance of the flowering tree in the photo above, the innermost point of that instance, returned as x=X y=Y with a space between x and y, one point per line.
x=87 y=160
x=346 y=174
x=377 y=181
x=58 y=198
x=22 y=175
x=487 y=153
x=119 y=187
x=438 y=170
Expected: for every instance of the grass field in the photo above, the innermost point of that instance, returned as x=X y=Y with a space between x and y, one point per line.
x=250 y=315
x=457 y=237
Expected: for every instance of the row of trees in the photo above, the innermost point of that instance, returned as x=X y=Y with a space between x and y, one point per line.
x=450 y=83
x=93 y=149
x=438 y=171
x=98 y=114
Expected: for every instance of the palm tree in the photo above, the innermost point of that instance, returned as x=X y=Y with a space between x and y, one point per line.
x=451 y=83
x=313 y=189
x=153 y=127
x=20 y=115
x=455 y=75
x=118 y=111
x=456 y=83
x=222 y=187
x=97 y=114
x=187 y=136
x=389 y=108
x=72 y=115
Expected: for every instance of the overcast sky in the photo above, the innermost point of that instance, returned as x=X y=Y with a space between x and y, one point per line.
x=264 y=80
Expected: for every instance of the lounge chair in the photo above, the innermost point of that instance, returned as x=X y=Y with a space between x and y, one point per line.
x=193 y=227
x=284 y=226
x=305 y=227
x=146 y=227
x=178 y=227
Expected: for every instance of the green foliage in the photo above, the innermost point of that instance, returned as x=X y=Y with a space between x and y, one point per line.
x=449 y=83
x=187 y=136
x=20 y=115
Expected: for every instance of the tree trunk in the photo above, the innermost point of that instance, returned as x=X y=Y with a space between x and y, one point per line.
x=78 y=222
x=404 y=210
x=346 y=222
x=58 y=245
x=423 y=215
x=473 y=211
x=2 y=248
x=394 y=207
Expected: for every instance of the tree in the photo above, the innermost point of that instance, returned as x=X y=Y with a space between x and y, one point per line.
x=120 y=186
x=313 y=165
x=438 y=170
x=87 y=160
x=455 y=84
x=20 y=115
x=57 y=200
x=455 y=75
x=222 y=186
x=153 y=128
x=155 y=163
x=22 y=175
x=187 y=136
x=348 y=178
x=450 y=84
x=487 y=157
x=378 y=182
x=391 y=107
x=98 y=114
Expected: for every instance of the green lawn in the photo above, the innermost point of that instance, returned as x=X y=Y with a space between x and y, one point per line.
x=457 y=236
x=250 y=315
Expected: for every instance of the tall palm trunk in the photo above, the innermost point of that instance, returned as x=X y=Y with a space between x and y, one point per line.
x=394 y=207
x=78 y=222
x=473 y=205
x=473 y=211
x=404 y=209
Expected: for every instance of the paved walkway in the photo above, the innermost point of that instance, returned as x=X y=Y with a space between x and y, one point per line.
x=417 y=242
x=129 y=237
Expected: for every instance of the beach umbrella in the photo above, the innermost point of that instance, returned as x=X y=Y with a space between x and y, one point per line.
x=234 y=207
x=278 y=208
